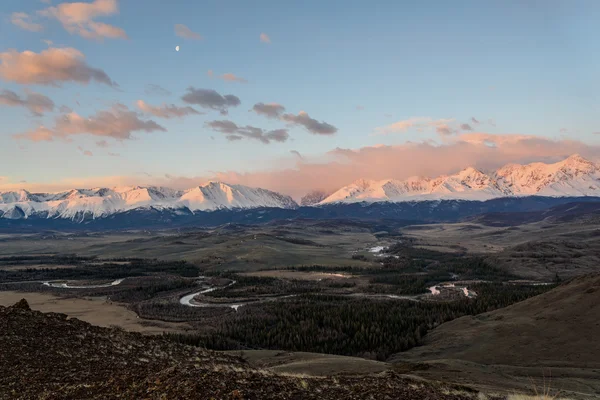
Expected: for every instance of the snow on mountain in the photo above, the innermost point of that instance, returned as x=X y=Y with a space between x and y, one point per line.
x=100 y=202
x=314 y=197
x=216 y=195
x=574 y=176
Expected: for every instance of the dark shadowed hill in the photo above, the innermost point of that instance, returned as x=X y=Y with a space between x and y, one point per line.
x=555 y=328
x=557 y=332
x=584 y=212
x=47 y=356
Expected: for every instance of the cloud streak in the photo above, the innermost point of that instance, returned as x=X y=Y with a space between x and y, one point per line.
x=166 y=110
x=227 y=77
x=211 y=99
x=277 y=111
x=152 y=89
x=310 y=124
x=52 y=66
x=233 y=132
x=440 y=125
x=186 y=33
x=37 y=103
x=270 y=110
x=25 y=21
x=118 y=123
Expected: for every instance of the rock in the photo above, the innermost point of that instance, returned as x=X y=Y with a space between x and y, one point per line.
x=22 y=305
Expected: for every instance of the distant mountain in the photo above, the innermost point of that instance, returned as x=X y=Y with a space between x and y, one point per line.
x=399 y=214
x=313 y=198
x=572 y=177
x=417 y=199
x=582 y=212
x=80 y=204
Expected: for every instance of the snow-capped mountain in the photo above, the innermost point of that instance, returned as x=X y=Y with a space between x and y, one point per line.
x=574 y=176
x=314 y=197
x=101 y=202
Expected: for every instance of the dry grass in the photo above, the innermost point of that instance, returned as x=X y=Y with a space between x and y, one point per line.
x=544 y=393
x=535 y=397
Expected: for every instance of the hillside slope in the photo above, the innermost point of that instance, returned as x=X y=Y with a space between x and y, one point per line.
x=556 y=328
x=47 y=356
x=547 y=341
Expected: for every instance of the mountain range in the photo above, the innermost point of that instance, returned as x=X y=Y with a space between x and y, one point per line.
x=101 y=202
x=572 y=177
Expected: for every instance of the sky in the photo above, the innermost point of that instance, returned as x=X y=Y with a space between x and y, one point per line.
x=290 y=96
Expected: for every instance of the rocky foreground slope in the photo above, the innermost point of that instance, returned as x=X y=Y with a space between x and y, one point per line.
x=47 y=356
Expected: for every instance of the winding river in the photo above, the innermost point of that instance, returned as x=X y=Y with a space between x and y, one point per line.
x=65 y=285
x=188 y=300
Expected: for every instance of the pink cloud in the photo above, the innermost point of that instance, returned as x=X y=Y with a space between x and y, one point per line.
x=340 y=167
x=118 y=122
x=25 y=21
x=85 y=152
x=52 y=66
x=232 y=78
x=265 y=38
x=79 y=18
x=419 y=123
x=184 y=32
x=227 y=77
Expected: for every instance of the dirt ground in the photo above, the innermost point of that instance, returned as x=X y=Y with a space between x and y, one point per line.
x=96 y=311
x=551 y=336
x=313 y=364
x=299 y=275
x=39 y=266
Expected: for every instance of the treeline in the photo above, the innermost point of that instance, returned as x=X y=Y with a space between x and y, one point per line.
x=136 y=267
x=69 y=259
x=250 y=286
x=152 y=288
x=337 y=325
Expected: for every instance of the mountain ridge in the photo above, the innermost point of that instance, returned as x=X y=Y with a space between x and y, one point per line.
x=101 y=202
x=573 y=176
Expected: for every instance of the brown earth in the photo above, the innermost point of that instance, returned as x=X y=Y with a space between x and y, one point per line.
x=48 y=356
x=95 y=310
x=555 y=334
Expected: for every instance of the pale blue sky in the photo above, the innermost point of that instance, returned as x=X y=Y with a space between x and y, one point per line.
x=531 y=66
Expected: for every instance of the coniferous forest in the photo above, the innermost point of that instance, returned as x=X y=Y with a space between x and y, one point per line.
x=337 y=325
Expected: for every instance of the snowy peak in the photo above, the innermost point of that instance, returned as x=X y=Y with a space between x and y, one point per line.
x=314 y=197
x=101 y=202
x=14 y=197
x=217 y=195
x=365 y=190
x=574 y=176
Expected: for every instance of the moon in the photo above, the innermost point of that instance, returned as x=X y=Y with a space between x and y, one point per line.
x=176 y=48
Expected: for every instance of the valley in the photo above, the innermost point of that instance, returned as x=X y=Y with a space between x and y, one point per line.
x=376 y=290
